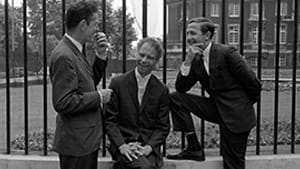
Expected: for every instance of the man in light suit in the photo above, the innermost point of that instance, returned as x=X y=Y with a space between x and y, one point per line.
x=232 y=87
x=137 y=117
x=75 y=97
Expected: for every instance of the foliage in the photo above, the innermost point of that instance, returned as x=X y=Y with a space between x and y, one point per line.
x=114 y=29
x=212 y=139
x=35 y=141
x=15 y=33
x=282 y=86
x=54 y=26
x=116 y=33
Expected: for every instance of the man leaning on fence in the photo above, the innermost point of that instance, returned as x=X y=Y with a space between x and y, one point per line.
x=137 y=117
x=232 y=87
x=75 y=97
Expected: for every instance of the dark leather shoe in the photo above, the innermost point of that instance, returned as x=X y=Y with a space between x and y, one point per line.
x=188 y=155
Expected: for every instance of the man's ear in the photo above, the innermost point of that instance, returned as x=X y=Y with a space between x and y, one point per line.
x=208 y=34
x=82 y=24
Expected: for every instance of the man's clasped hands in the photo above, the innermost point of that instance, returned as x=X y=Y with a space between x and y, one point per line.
x=133 y=150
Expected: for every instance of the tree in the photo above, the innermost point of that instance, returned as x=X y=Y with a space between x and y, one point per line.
x=116 y=33
x=54 y=22
x=15 y=36
x=114 y=29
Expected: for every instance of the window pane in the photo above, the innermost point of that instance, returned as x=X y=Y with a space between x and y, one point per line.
x=214 y=9
x=233 y=34
x=254 y=9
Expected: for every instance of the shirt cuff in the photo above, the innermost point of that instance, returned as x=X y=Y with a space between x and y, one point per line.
x=101 y=98
x=185 y=70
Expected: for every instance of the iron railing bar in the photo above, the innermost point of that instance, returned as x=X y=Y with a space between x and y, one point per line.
x=184 y=6
x=104 y=80
x=124 y=35
x=223 y=26
x=202 y=121
x=7 y=78
x=63 y=6
x=165 y=41
x=45 y=113
x=293 y=117
x=204 y=8
x=258 y=104
x=25 y=76
x=145 y=13
x=223 y=22
x=276 y=77
x=242 y=10
x=184 y=10
x=165 y=53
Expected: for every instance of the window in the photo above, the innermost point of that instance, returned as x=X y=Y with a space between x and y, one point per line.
x=216 y=35
x=254 y=35
x=254 y=9
x=282 y=33
x=233 y=33
x=283 y=9
x=282 y=61
x=188 y=13
x=214 y=10
x=234 y=10
x=252 y=61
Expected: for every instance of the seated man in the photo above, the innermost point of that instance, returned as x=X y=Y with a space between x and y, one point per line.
x=137 y=116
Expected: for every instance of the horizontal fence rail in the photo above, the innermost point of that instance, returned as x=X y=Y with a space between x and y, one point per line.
x=175 y=14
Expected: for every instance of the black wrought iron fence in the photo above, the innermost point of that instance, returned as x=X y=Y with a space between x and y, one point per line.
x=250 y=12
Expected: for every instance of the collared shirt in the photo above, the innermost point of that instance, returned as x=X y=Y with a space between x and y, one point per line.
x=75 y=42
x=141 y=83
x=206 y=57
x=185 y=70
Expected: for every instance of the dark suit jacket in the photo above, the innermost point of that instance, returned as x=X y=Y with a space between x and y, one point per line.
x=232 y=85
x=126 y=120
x=79 y=120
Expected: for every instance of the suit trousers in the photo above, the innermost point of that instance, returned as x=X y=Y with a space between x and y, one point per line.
x=143 y=162
x=89 y=161
x=233 y=145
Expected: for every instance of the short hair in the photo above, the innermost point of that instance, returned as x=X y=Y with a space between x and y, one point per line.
x=206 y=25
x=79 y=11
x=156 y=43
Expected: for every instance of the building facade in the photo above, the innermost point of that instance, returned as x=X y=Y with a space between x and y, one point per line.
x=231 y=30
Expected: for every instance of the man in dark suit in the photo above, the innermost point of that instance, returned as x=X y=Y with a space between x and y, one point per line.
x=75 y=97
x=232 y=87
x=137 y=117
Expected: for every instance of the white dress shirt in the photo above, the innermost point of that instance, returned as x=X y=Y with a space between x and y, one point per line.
x=75 y=42
x=142 y=84
x=185 y=70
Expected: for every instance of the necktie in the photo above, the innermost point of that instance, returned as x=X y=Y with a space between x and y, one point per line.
x=83 y=50
x=201 y=63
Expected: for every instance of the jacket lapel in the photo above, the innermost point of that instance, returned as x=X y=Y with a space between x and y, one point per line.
x=132 y=87
x=78 y=54
x=212 y=58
